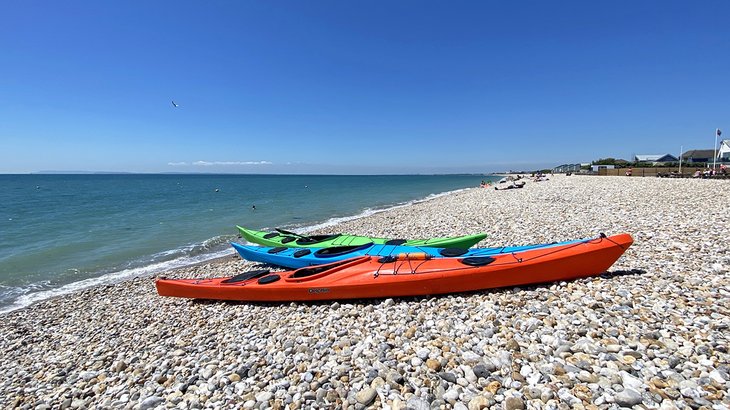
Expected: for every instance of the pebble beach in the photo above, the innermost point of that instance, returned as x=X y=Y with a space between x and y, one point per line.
x=650 y=333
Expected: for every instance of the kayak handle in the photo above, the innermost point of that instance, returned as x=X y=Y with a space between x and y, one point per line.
x=285 y=232
x=416 y=256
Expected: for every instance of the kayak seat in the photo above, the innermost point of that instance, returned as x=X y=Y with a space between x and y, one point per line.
x=340 y=250
x=287 y=239
x=276 y=250
x=246 y=276
x=271 y=235
x=478 y=261
x=308 y=240
x=302 y=252
x=396 y=242
x=269 y=279
x=313 y=270
x=453 y=252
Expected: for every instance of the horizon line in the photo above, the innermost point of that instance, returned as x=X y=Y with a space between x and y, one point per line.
x=233 y=173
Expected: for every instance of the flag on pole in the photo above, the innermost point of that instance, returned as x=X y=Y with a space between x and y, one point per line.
x=714 y=159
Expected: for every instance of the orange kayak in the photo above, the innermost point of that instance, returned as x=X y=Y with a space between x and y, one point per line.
x=408 y=274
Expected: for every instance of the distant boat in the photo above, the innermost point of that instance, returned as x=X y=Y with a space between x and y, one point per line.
x=174 y=105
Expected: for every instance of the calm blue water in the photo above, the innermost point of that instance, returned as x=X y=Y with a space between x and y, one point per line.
x=60 y=233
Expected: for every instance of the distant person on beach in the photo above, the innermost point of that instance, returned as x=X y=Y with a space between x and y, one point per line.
x=629 y=172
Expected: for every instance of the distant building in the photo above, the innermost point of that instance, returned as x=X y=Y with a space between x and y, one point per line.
x=723 y=154
x=595 y=168
x=698 y=156
x=560 y=169
x=656 y=159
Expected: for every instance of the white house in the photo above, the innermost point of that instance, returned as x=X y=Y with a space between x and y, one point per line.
x=723 y=154
x=566 y=168
x=656 y=159
x=595 y=168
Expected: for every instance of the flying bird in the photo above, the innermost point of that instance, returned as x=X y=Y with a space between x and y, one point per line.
x=174 y=105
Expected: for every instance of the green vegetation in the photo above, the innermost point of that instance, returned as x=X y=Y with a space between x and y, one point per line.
x=612 y=161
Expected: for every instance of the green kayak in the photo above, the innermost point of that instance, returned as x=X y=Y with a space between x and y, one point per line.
x=288 y=239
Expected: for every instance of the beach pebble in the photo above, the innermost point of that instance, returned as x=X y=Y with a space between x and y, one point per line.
x=87 y=376
x=628 y=397
x=513 y=403
x=481 y=370
x=451 y=395
x=417 y=403
x=471 y=357
x=151 y=402
x=366 y=396
x=566 y=396
x=478 y=403
x=651 y=332
x=264 y=396
x=433 y=364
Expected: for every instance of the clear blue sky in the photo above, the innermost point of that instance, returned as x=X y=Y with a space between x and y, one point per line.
x=356 y=87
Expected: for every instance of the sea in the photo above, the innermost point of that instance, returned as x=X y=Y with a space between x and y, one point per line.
x=63 y=233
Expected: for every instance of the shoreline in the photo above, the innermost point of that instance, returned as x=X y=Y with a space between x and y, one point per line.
x=150 y=270
x=658 y=337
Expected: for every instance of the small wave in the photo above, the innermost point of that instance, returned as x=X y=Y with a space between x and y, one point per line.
x=30 y=294
x=196 y=249
x=20 y=297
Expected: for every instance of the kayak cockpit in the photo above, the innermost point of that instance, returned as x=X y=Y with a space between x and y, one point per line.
x=309 y=240
x=316 y=272
x=246 y=276
x=340 y=250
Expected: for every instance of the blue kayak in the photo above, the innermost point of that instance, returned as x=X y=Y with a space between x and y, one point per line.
x=296 y=258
